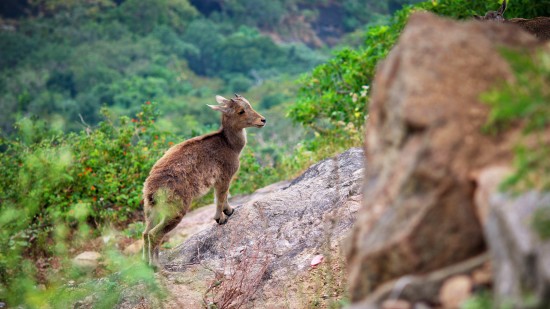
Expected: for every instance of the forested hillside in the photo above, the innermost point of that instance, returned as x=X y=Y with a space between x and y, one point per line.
x=93 y=92
x=63 y=59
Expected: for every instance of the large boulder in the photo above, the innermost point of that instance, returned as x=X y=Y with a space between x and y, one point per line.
x=271 y=239
x=425 y=146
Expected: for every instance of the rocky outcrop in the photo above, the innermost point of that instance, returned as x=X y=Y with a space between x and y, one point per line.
x=425 y=147
x=270 y=239
x=521 y=259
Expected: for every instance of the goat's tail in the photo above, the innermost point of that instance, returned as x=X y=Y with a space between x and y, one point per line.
x=147 y=201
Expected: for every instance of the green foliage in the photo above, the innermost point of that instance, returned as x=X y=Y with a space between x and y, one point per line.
x=336 y=93
x=525 y=102
x=124 y=277
x=272 y=100
x=134 y=230
x=267 y=14
x=461 y=9
x=527 y=98
x=15 y=47
x=142 y=16
x=80 y=55
x=104 y=167
x=541 y=222
x=481 y=300
x=60 y=190
x=53 y=181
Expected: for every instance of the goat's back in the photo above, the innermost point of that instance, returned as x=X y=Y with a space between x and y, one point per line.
x=539 y=26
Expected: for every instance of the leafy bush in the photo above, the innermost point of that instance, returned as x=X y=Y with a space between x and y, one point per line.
x=86 y=181
x=336 y=93
x=62 y=190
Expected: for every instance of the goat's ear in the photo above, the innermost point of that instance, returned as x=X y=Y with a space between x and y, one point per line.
x=502 y=8
x=221 y=100
x=221 y=108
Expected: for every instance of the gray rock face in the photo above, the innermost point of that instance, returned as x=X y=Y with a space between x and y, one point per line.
x=276 y=235
x=521 y=260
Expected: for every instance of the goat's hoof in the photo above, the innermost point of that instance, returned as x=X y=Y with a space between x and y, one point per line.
x=229 y=213
x=222 y=220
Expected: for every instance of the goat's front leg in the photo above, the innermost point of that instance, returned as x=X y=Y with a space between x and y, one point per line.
x=223 y=210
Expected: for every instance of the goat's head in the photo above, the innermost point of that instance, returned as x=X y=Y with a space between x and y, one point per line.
x=238 y=113
x=494 y=15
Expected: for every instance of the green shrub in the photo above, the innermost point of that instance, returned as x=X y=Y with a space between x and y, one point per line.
x=335 y=94
x=58 y=189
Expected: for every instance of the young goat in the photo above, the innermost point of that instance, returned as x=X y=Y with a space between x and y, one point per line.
x=538 y=26
x=189 y=169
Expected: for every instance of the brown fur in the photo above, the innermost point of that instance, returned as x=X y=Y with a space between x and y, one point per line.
x=189 y=169
x=538 y=26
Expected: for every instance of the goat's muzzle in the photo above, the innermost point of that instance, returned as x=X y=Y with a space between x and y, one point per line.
x=263 y=120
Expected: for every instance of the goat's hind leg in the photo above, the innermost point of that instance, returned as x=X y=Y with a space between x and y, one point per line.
x=146 y=244
x=170 y=216
x=150 y=219
x=155 y=223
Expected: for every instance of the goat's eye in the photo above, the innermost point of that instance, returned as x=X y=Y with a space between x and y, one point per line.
x=241 y=112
